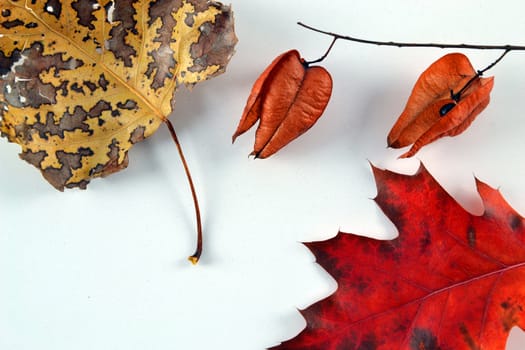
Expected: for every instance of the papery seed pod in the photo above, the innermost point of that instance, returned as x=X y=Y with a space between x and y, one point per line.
x=445 y=100
x=287 y=99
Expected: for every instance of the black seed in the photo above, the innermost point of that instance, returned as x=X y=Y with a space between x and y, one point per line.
x=446 y=108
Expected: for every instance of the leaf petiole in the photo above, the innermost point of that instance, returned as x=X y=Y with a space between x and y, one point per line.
x=194 y=259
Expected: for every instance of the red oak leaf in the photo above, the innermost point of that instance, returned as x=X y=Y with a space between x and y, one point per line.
x=288 y=98
x=450 y=281
x=445 y=100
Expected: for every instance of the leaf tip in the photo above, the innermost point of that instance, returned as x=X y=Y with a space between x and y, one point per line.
x=376 y=171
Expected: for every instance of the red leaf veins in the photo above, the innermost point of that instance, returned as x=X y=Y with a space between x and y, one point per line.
x=451 y=280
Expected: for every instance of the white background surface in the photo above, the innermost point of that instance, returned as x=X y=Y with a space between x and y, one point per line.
x=106 y=268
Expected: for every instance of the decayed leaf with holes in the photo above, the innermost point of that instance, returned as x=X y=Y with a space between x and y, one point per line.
x=451 y=280
x=445 y=100
x=81 y=81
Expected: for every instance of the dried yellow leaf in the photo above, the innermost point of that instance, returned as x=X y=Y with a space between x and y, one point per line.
x=81 y=81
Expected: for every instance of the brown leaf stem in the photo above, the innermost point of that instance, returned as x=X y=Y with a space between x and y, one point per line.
x=195 y=257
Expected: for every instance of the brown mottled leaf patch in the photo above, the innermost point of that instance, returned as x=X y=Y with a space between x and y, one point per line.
x=81 y=81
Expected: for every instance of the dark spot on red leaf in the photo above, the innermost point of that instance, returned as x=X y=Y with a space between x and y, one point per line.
x=425 y=242
x=468 y=338
x=345 y=344
x=369 y=343
x=516 y=222
x=423 y=339
x=389 y=250
x=327 y=260
x=510 y=316
x=394 y=212
x=362 y=284
x=471 y=237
